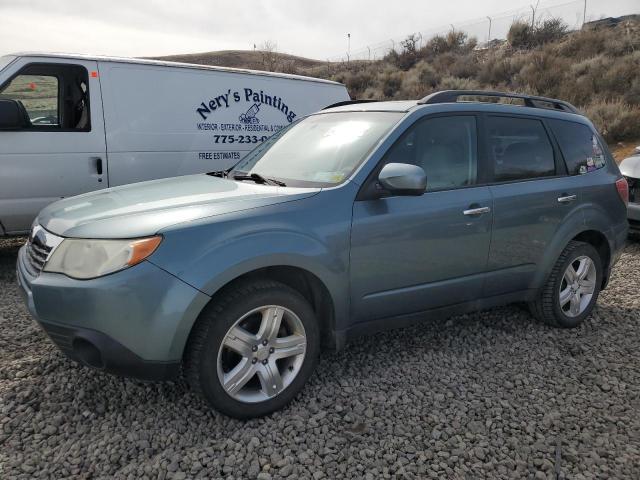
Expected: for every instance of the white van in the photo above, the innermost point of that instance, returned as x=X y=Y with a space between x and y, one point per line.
x=70 y=124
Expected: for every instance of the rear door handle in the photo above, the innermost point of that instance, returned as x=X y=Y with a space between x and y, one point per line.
x=567 y=198
x=477 y=211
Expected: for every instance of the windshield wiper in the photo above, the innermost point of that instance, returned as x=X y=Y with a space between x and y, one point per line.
x=256 y=177
x=220 y=173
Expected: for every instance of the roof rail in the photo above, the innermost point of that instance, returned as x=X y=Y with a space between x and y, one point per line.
x=451 y=96
x=348 y=102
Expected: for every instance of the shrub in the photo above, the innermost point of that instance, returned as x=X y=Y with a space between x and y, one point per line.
x=456 y=83
x=616 y=120
x=497 y=70
x=549 y=30
x=464 y=66
x=524 y=35
x=390 y=81
x=543 y=73
x=419 y=81
x=520 y=35
x=427 y=75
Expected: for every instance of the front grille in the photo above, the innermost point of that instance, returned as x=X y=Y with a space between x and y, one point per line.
x=39 y=247
x=37 y=254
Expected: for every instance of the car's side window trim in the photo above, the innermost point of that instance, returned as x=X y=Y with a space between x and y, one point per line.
x=369 y=192
x=26 y=70
x=490 y=167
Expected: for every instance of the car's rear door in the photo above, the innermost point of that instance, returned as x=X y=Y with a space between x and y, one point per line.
x=532 y=197
x=414 y=253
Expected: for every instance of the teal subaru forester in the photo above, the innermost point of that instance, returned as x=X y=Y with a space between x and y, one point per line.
x=361 y=217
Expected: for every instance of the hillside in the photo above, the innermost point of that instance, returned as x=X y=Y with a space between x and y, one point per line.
x=257 y=60
x=596 y=68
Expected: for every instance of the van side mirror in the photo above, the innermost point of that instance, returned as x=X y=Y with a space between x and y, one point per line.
x=12 y=115
x=403 y=179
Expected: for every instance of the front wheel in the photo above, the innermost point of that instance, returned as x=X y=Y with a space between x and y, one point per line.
x=572 y=288
x=253 y=349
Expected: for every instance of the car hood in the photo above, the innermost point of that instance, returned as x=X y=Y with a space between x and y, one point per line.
x=630 y=167
x=142 y=209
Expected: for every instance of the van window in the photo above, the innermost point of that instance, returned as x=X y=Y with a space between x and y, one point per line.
x=54 y=96
x=519 y=149
x=580 y=146
x=444 y=147
x=39 y=95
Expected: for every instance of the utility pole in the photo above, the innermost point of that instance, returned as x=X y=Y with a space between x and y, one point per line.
x=369 y=48
x=489 y=36
x=533 y=15
x=584 y=13
x=348 y=47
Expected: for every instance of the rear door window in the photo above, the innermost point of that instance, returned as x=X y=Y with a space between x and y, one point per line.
x=519 y=148
x=580 y=146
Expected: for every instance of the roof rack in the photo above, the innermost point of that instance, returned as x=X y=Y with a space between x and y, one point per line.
x=348 y=102
x=451 y=96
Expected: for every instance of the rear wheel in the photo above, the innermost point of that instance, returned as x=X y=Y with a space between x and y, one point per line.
x=253 y=349
x=572 y=288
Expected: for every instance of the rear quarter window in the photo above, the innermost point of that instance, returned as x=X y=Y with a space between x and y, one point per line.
x=579 y=145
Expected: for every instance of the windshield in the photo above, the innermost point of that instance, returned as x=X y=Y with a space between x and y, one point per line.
x=320 y=150
x=4 y=61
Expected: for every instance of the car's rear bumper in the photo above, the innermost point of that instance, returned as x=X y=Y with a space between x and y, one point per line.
x=133 y=323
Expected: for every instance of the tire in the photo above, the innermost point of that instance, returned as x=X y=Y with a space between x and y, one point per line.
x=239 y=340
x=557 y=312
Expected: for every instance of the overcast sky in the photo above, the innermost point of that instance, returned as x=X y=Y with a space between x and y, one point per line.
x=312 y=28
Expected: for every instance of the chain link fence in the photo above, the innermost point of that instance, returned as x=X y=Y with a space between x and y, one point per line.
x=485 y=30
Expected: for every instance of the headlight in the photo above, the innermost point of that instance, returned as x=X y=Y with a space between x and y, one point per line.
x=83 y=259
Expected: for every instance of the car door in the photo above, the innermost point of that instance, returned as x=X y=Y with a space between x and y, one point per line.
x=413 y=253
x=61 y=150
x=531 y=199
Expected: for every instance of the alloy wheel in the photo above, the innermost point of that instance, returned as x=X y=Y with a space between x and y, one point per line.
x=577 y=286
x=261 y=354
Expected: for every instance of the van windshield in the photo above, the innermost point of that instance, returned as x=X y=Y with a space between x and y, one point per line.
x=318 y=151
x=6 y=60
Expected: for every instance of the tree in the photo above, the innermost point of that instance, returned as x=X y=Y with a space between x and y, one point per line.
x=269 y=51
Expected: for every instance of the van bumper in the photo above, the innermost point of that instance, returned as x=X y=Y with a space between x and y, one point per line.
x=132 y=323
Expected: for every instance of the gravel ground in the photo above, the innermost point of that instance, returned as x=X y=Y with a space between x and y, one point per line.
x=488 y=395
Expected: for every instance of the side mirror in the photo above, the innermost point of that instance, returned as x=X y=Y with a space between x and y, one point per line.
x=12 y=115
x=403 y=179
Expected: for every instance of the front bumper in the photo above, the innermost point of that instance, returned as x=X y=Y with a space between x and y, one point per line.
x=132 y=323
x=633 y=215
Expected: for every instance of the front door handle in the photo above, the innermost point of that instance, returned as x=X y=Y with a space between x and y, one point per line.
x=567 y=198
x=477 y=211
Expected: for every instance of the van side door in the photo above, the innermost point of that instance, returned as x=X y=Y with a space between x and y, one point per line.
x=60 y=150
x=532 y=199
x=413 y=253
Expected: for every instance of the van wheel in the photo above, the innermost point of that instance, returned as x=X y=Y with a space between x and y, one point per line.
x=253 y=349
x=572 y=289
